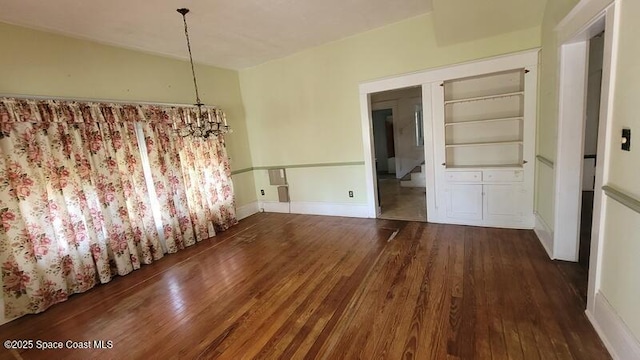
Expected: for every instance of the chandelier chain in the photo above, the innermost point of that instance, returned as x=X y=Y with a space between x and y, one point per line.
x=208 y=122
x=193 y=69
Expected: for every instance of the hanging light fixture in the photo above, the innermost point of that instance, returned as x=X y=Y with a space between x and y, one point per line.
x=207 y=122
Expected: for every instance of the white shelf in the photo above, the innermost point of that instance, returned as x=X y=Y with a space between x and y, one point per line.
x=483 y=121
x=485 y=166
x=487 y=97
x=489 y=143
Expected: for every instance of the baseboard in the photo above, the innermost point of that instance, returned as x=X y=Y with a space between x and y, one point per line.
x=614 y=333
x=525 y=224
x=545 y=234
x=330 y=209
x=316 y=208
x=247 y=210
x=273 y=206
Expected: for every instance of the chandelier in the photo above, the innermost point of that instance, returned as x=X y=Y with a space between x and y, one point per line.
x=208 y=122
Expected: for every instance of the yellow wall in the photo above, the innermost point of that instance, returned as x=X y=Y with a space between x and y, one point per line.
x=621 y=248
x=305 y=108
x=39 y=63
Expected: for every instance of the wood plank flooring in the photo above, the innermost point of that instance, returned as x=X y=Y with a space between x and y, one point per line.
x=401 y=203
x=312 y=287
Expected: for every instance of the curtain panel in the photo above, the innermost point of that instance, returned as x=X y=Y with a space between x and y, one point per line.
x=76 y=207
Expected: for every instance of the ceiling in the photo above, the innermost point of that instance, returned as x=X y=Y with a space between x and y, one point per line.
x=230 y=34
x=244 y=33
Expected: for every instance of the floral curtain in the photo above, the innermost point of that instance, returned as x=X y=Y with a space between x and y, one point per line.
x=197 y=183
x=75 y=209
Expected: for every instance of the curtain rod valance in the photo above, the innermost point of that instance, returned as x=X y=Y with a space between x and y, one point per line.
x=75 y=111
x=99 y=101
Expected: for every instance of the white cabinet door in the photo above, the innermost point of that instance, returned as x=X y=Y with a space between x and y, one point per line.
x=464 y=202
x=503 y=203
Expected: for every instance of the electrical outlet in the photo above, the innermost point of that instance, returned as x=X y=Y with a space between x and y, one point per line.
x=262 y=192
x=350 y=193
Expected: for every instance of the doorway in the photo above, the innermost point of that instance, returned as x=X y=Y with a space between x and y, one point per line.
x=594 y=84
x=398 y=143
x=575 y=33
x=590 y=160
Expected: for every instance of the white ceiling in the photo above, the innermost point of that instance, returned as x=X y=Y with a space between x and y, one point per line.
x=231 y=34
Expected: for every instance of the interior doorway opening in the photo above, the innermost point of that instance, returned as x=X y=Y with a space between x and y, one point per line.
x=575 y=33
x=586 y=161
x=399 y=157
x=590 y=158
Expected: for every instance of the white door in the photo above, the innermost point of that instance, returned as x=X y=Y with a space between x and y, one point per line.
x=464 y=202
x=503 y=203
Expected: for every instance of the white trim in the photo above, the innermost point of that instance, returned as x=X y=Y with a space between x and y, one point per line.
x=471 y=68
x=527 y=223
x=431 y=192
x=273 y=206
x=316 y=208
x=545 y=235
x=614 y=333
x=530 y=121
x=244 y=211
x=330 y=209
x=568 y=170
x=437 y=209
x=369 y=155
x=581 y=17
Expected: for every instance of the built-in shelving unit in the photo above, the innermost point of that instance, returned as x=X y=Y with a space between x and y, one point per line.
x=485 y=134
x=484 y=118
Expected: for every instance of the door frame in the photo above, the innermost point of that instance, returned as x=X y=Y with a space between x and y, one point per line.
x=586 y=20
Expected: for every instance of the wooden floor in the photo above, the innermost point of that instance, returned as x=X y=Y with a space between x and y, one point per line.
x=297 y=286
x=401 y=203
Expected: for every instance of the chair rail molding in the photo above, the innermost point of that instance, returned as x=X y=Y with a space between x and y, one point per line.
x=622 y=197
x=545 y=161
